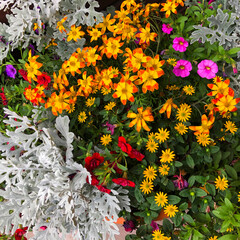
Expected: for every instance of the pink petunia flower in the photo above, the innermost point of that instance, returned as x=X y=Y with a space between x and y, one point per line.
x=207 y=69
x=182 y=68
x=166 y=28
x=179 y=44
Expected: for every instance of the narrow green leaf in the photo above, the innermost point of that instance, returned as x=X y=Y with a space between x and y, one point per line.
x=190 y=161
x=231 y=172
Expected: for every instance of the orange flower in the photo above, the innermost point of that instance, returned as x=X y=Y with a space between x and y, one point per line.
x=167 y=106
x=124 y=90
x=85 y=85
x=141 y=118
x=147 y=78
x=155 y=65
x=206 y=125
x=226 y=103
x=145 y=35
x=168 y=7
x=106 y=24
x=135 y=58
x=113 y=47
x=60 y=26
x=219 y=88
x=91 y=57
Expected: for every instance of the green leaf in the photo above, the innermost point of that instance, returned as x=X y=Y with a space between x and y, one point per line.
x=154 y=206
x=203 y=217
x=233 y=51
x=122 y=167
x=196 y=234
x=182 y=19
x=190 y=161
x=177 y=164
x=191 y=181
x=167 y=225
x=172 y=199
x=228 y=204
x=142 y=230
x=211 y=189
x=189 y=219
x=177 y=220
x=231 y=172
x=237 y=149
x=183 y=206
x=138 y=194
x=228 y=237
x=184 y=193
x=200 y=192
x=221 y=50
x=214 y=149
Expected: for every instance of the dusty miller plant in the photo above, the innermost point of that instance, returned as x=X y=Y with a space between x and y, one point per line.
x=224 y=28
x=45 y=187
x=25 y=13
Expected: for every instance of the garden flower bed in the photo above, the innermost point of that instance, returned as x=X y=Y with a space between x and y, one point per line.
x=129 y=113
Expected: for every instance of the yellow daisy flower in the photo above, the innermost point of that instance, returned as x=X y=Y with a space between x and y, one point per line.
x=213 y=238
x=151 y=136
x=167 y=156
x=71 y=109
x=181 y=128
x=146 y=186
x=150 y=173
x=184 y=112
x=189 y=90
x=110 y=106
x=239 y=197
x=221 y=183
x=164 y=169
x=161 y=199
x=203 y=139
x=106 y=139
x=82 y=117
x=152 y=146
x=170 y=210
x=105 y=91
x=172 y=61
x=157 y=235
x=231 y=127
x=90 y=102
x=162 y=135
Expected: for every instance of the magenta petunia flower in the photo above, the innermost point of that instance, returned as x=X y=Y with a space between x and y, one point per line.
x=182 y=68
x=207 y=69
x=179 y=44
x=11 y=71
x=166 y=28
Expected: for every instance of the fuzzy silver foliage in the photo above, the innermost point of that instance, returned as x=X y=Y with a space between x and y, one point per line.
x=36 y=166
x=25 y=13
x=220 y=30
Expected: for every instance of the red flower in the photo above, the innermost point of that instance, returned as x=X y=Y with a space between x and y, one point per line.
x=19 y=233
x=23 y=74
x=92 y=162
x=123 y=182
x=136 y=154
x=125 y=147
x=43 y=79
x=4 y=99
x=103 y=189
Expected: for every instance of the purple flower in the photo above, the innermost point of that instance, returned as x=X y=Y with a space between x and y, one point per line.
x=166 y=28
x=110 y=127
x=129 y=226
x=32 y=48
x=11 y=71
x=154 y=226
x=182 y=68
x=179 y=44
x=207 y=69
x=180 y=182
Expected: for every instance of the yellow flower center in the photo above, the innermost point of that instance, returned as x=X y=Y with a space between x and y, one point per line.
x=182 y=67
